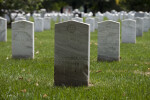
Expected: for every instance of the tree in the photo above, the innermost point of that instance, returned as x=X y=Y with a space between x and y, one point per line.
x=53 y=5
x=18 y=6
x=137 y=5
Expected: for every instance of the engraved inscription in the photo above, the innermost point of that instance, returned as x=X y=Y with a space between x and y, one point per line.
x=22 y=36
x=71 y=28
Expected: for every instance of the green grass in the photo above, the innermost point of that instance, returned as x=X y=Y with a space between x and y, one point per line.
x=31 y=79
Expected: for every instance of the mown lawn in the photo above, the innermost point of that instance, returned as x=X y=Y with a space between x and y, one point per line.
x=129 y=79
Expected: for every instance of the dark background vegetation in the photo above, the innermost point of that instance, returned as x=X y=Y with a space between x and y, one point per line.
x=57 y=5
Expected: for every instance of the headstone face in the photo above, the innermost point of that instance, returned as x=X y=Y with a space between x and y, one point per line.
x=78 y=19
x=27 y=17
x=146 y=24
x=3 y=30
x=72 y=54
x=91 y=21
x=20 y=18
x=139 y=26
x=47 y=23
x=108 y=41
x=23 y=39
x=139 y=14
x=43 y=11
x=128 y=31
x=97 y=19
x=39 y=24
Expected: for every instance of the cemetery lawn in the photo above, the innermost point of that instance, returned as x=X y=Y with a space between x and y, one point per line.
x=22 y=79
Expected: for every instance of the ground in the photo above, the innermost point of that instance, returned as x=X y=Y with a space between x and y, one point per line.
x=34 y=79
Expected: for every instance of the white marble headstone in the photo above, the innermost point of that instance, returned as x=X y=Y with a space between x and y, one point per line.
x=91 y=22
x=47 y=23
x=139 y=26
x=108 y=41
x=23 y=39
x=78 y=19
x=128 y=31
x=72 y=54
x=146 y=24
x=20 y=18
x=3 y=30
x=39 y=24
x=97 y=20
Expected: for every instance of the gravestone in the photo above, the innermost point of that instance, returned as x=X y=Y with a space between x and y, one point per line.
x=20 y=18
x=139 y=14
x=108 y=41
x=23 y=39
x=78 y=19
x=97 y=19
x=39 y=24
x=3 y=30
x=128 y=31
x=47 y=23
x=139 y=26
x=146 y=24
x=43 y=11
x=72 y=54
x=91 y=22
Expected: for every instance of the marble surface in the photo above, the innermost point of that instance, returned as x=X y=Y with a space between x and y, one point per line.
x=108 y=41
x=97 y=20
x=146 y=24
x=72 y=54
x=91 y=22
x=3 y=30
x=139 y=26
x=78 y=19
x=20 y=18
x=23 y=39
x=47 y=23
x=38 y=25
x=128 y=31
x=139 y=14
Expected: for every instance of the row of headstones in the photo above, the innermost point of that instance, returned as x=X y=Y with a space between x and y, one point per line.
x=113 y=15
x=72 y=47
x=134 y=28
x=40 y=24
x=142 y=22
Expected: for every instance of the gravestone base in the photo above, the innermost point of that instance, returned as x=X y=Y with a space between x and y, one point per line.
x=71 y=73
x=22 y=57
x=109 y=59
x=70 y=83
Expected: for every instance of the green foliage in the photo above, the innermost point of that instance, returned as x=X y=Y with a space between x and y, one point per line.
x=18 y=6
x=137 y=5
x=58 y=5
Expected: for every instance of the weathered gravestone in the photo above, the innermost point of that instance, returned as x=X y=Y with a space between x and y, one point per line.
x=139 y=14
x=78 y=19
x=23 y=39
x=72 y=54
x=128 y=31
x=97 y=20
x=47 y=23
x=108 y=41
x=91 y=22
x=3 y=30
x=139 y=26
x=20 y=18
x=146 y=24
x=39 y=24
x=43 y=11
